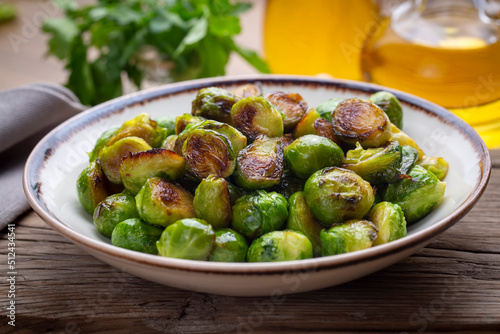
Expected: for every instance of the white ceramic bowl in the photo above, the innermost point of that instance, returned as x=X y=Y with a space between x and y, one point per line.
x=55 y=163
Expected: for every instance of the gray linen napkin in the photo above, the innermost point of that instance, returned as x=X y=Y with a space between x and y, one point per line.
x=26 y=114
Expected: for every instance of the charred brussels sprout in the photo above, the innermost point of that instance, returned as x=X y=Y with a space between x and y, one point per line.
x=111 y=156
x=300 y=219
x=348 y=237
x=134 y=234
x=335 y=195
x=255 y=116
x=310 y=153
x=313 y=124
x=237 y=139
x=405 y=140
x=91 y=186
x=141 y=126
x=214 y=103
x=260 y=165
x=280 y=246
x=184 y=121
x=390 y=105
x=230 y=246
x=162 y=203
x=169 y=142
x=390 y=222
x=102 y=142
x=326 y=108
x=438 y=166
x=416 y=195
x=355 y=120
x=291 y=105
x=113 y=210
x=289 y=184
x=190 y=239
x=247 y=90
x=136 y=168
x=259 y=213
x=212 y=203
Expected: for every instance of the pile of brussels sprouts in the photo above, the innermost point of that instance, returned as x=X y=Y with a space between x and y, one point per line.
x=245 y=177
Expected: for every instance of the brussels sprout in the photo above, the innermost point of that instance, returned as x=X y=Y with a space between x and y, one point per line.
x=390 y=222
x=237 y=139
x=208 y=152
x=91 y=186
x=113 y=210
x=280 y=246
x=165 y=127
x=186 y=120
x=289 y=184
x=111 y=156
x=162 y=203
x=141 y=126
x=335 y=195
x=259 y=213
x=310 y=153
x=260 y=165
x=134 y=234
x=390 y=105
x=256 y=116
x=169 y=142
x=291 y=105
x=324 y=128
x=136 y=168
x=248 y=90
x=326 y=108
x=191 y=239
x=405 y=140
x=102 y=142
x=355 y=120
x=230 y=246
x=212 y=203
x=306 y=124
x=438 y=166
x=416 y=195
x=286 y=140
x=214 y=103
x=409 y=158
x=348 y=237
x=300 y=219
x=235 y=192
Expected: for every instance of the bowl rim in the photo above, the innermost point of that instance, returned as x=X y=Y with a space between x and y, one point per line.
x=316 y=264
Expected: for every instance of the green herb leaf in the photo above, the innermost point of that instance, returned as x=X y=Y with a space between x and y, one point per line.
x=63 y=31
x=225 y=26
x=195 y=34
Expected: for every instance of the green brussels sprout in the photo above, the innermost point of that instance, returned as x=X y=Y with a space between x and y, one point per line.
x=247 y=90
x=102 y=142
x=416 y=195
x=351 y=236
x=165 y=127
x=91 y=186
x=230 y=246
x=184 y=121
x=289 y=184
x=280 y=246
x=335 y=195
x=301 y=219
x=162 y=203
x=189 y=238
x=141 y=126
x=259 y=213
x=136 y=168
x=113 y=210
x=291 y=105
x=390 y=104
x=214 y=103
x=405 y=140
x=313 y=124
x=208 y=152
x=355 y=120
x=235 y=192
x=326 y=108
x=255 y=116
x=134 y=234
x=408 y=159
x=169 y=142
x=438 y=166
x=237 y=139
x=310 y=153
x=111 y=156
x=212 y=203
x=390 y=222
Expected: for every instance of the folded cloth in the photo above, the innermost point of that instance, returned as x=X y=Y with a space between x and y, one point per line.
x=26 y=114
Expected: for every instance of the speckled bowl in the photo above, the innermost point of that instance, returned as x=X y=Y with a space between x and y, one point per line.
x=55 y=163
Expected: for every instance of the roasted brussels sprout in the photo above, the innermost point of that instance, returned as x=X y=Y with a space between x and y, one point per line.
x=280 y=246
x=113 y=210
x=237 y=139
x=289 y=184
x=390 y=104
x=291 y=105
x=409 y=158
x=191 y=239
x=326 y=108
x=214 y=103
x=405 y=140
x=162 y=203
x=169 y=142
x=355 y=120
x=310 y=153
x=416 y=195
x=247 y=90
x=260 y=165
x=390 y=222
x=111 y=156
x=348 y=237
x=438 y=166
x=165 y=127
x=212 y=203
x=255 y=116
x=134 y=234
x=102 y=142
x=230 y=246
x=300 y=219
x=259 y=213
x=136 y=168
x=91 y=186
x=186 y=120
x=141 y=126
x=335 y=195
x=313 y=124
